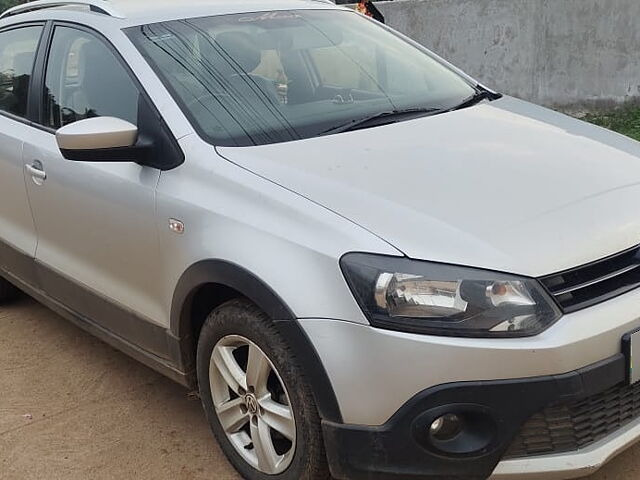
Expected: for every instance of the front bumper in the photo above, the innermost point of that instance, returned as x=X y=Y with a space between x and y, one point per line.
x=374 y=372
x=569 y=465
x=494 y=412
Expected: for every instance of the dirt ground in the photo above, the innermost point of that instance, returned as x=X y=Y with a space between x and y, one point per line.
x=73 y=408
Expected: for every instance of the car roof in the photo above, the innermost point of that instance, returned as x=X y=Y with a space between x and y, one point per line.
x=136 y=12
x=134 y=8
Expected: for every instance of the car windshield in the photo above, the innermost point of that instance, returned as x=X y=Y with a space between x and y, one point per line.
x=263 y=78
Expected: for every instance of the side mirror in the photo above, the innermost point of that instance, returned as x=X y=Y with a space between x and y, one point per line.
x=100 y=139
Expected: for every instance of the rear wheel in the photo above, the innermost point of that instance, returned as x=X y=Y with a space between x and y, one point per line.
x=256 y=398
x=7 y=291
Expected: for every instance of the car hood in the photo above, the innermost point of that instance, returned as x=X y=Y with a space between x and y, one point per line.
x=504 y=185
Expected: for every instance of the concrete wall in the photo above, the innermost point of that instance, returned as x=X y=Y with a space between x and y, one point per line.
x=570 y=53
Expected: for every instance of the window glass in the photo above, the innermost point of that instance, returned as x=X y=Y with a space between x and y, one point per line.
x=17 y=55
x=260 y=78
x=84 y=79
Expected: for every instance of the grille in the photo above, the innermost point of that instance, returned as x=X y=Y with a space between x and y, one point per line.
x=595 y=282
x=570 y=427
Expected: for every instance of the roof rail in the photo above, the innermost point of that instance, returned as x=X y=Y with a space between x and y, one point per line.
x=99 y=6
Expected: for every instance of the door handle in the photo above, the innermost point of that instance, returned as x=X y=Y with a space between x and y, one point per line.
x=36 y=170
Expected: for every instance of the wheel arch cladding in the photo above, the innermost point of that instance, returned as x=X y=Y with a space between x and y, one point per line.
x=223 y=281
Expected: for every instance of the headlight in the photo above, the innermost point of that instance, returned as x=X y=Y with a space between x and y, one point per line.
x=423 y=297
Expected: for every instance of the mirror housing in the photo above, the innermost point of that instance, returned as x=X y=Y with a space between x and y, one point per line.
x=101 y=139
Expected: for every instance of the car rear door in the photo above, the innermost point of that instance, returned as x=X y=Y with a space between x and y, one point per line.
x=98 y=250
x=18 y=48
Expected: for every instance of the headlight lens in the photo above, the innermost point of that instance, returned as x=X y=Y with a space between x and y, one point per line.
x=432 y=298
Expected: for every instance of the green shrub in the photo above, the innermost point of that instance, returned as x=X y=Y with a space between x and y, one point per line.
x=4 y=4
x=625 y=121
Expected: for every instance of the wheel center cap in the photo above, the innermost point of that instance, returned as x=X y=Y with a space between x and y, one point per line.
x=251 y=403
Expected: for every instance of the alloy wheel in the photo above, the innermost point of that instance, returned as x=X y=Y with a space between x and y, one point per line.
x=252 y=404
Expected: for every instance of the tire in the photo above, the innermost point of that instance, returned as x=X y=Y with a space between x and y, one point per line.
x=7 y=291
x=233 y=332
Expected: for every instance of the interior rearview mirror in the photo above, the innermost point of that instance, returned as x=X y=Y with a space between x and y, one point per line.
x=100 y=139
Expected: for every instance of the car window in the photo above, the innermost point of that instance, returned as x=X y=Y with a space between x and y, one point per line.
x=84 y=79
x=17 y=54
x=262 y=78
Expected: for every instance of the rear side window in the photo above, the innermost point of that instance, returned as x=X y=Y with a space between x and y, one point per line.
x=84 y=79
x=17 y=55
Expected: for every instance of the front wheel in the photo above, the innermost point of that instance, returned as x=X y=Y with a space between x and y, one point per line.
x=256 y=398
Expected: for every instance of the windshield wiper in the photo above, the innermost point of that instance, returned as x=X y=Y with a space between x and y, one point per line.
x=382 y=118
x=480 y=95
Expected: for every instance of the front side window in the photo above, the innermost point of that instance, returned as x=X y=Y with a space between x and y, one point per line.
x=260 y=78
x=17 y=55
x=84 y=79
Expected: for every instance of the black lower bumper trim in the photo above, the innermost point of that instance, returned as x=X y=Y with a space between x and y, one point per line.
x=403 y=449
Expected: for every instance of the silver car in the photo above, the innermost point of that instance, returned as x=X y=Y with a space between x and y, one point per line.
x=369 y=264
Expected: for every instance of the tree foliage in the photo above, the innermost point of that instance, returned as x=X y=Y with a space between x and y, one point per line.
x=4 y=4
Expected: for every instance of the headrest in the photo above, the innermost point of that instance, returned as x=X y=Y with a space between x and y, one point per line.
x=89 y=58
x=241 y=48
x=23 y=64
x=97 y=67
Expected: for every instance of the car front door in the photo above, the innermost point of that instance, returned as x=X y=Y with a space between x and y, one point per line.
x=98 y=250
x=18 y=46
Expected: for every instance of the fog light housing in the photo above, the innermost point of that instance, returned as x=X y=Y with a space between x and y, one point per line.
x=457 y=430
